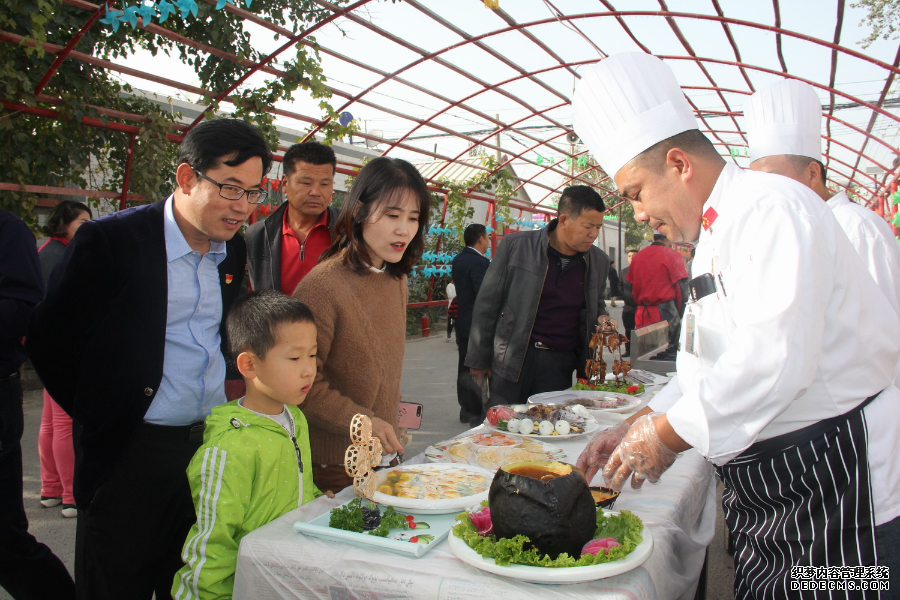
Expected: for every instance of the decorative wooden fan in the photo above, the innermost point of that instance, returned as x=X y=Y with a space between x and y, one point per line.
x=363 y=454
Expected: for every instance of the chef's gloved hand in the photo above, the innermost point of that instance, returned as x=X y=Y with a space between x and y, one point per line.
x=596 y=454
x=641 y=453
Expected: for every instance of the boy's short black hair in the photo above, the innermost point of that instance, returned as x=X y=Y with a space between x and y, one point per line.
x=314 y=153
x=473 y=233
x=254 y=319
x=576 y=199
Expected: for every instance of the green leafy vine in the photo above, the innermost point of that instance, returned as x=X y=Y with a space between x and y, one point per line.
x=62 y=152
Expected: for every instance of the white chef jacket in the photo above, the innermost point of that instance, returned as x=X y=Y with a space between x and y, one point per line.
x=796 y=332
x=873 y=241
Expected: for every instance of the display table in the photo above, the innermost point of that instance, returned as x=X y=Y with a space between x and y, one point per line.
x=276 y=563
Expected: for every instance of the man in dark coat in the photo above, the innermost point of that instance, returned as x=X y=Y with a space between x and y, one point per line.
x=629 y=307
x=140 y=299
x=613 y=279
x=469 y=267
x=540 y=303
x=28 y=569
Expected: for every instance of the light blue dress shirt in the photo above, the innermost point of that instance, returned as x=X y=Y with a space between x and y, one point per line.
x=193 y=368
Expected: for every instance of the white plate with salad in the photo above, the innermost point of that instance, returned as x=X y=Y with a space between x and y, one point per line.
x=541 y=421
x=554 y=574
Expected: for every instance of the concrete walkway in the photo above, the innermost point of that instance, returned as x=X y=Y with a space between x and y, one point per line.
x=429 y=378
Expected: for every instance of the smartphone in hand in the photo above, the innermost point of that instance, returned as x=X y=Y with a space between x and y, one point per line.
x=410 y=415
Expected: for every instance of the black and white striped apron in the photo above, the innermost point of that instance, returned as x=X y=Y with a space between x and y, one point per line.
x=800 y=499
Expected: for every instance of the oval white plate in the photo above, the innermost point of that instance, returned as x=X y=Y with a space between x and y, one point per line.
x=554 y=575
x=567 y=396
x=439 y=452
x=590 y=426
x=434 y=507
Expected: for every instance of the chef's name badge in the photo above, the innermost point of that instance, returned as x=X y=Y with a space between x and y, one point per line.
x=690 y=332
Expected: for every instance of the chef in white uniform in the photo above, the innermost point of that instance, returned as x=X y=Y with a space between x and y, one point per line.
x=784 y=124
x=787 y=349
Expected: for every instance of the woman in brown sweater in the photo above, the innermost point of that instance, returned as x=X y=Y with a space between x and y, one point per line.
x=358 y=294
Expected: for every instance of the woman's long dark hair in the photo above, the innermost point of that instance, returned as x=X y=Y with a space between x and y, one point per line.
x=62 y=214
x=380 y=180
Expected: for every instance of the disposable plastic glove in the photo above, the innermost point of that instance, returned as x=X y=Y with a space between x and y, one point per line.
x=596 y=454
x=641 y=453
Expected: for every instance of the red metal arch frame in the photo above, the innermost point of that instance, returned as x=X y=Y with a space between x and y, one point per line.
x=669 y=15
x=857 y=177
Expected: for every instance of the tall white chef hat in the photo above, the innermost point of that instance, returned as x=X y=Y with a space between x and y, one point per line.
x=627 y=103
x=784 y=118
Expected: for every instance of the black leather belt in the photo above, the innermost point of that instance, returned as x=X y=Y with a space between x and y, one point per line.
x=192 y=432
x=542 y=346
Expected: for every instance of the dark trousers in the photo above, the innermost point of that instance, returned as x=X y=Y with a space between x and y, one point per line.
x=628 y=323
x=450 y=323
x=28 y=569
x=129 y=540
x=468 y=394
x=887 y=547
x=542 y=371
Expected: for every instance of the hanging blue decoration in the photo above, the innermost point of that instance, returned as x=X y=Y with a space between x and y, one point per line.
x=111 y=18
x=165 y=9
x=147 y=12
x=129 y=15
x=187 y=7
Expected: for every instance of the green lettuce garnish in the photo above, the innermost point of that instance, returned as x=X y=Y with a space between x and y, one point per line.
x=350 y=518
x=626 y=527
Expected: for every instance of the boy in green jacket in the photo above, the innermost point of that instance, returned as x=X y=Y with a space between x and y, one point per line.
x=254 y=464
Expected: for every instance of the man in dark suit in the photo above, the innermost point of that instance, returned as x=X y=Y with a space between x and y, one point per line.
x=129 y=342
x=469 y=267
x=629 y=307
x=28 y=569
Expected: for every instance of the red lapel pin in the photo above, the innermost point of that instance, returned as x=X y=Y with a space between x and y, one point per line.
x=709 y=217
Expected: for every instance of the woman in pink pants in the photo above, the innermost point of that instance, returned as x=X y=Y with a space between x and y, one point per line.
x=55 y=446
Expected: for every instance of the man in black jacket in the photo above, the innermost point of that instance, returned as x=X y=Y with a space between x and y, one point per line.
x=629 y=307
x=613 y=280
x=469 y=267
x=283 y=248
x=540 y=301
x=129 y=342
x=28 y=569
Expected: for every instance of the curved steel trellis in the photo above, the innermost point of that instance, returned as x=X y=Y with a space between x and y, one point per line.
x=857 y=177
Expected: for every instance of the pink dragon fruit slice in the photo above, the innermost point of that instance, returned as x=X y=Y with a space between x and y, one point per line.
x=598 y=545
x=482 y=521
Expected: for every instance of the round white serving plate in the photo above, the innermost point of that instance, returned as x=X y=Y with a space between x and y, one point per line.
x=567 y=396
x=439 y=452
x=434 y=507
x=590 y=426
x=550 y=574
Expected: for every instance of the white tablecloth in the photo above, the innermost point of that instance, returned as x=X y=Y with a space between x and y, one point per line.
x=276 y=563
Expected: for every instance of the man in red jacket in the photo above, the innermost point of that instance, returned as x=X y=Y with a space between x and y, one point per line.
x=657 y=277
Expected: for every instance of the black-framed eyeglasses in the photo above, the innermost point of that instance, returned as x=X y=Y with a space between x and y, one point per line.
x=233 y=192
